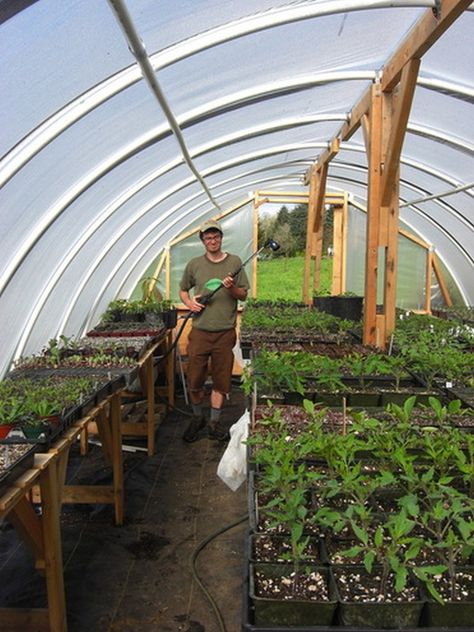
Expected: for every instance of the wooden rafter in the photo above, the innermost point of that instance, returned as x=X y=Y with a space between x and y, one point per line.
x=400 y=104
x=421 y=38
x=442 y=283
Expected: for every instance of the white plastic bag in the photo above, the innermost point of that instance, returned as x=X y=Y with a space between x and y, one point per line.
x=232 y=468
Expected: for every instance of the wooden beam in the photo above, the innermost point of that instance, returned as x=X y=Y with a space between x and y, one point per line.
x=345 y=232
x=254 y=277
x=337 y=258
x=36 y=619
x=373 y=207
x=359 y=110
x=78 y=494
x=400 y=110
x=327 y=155
x=317 y=251
x=442 y=283
x=50 y=503
x=28 y=524
x=391 y=258
x=364 y=123
x=421 y=37
x=320 y=200
x=313 y=194
x=428 y=273
x=115 y=421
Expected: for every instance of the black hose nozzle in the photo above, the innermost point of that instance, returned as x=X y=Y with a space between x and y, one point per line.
x=272 y=244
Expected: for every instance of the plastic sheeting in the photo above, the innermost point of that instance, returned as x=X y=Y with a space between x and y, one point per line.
x=94 y=184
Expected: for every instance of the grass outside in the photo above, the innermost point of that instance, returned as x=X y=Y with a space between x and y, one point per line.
x=282 y=277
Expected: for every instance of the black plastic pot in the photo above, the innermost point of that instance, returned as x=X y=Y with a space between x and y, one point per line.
x=451 y=614
x=170 y=318
x=347 y=307
x=400 y=397
x=276 y=611
x=364 y=399
x=376 y=615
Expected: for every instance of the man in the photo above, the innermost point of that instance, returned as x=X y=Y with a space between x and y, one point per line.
x=213 y=332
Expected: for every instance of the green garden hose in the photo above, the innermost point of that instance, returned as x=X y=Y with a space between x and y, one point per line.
x=194 y=556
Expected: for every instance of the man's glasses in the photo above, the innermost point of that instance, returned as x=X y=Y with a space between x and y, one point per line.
x=212 y=237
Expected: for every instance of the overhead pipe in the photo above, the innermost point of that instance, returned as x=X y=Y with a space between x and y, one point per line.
x=138 y=50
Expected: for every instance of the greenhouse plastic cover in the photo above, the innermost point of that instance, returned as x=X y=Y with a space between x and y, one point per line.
x=98 y=172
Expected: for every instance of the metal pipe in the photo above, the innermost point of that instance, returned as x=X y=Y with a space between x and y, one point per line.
x=137 y=48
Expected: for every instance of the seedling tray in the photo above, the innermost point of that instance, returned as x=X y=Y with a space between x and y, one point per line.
x=18 y=465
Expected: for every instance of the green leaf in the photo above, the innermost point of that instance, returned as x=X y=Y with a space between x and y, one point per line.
x=401 y=576
x=378 y=537
x=369 y=559
x=362 y=535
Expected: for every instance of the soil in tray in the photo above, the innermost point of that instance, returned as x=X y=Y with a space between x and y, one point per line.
x=273 y=548
x=359 y=586
x=463 y=586
x=295 y=419
x=301 y=586
x=14 y=460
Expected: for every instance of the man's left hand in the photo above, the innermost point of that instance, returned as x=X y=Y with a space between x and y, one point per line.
x=228 y=281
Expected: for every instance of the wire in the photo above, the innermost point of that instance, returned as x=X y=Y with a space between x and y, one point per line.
x=194 y=556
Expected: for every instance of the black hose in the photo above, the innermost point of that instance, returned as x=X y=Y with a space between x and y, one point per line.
x=194 y=556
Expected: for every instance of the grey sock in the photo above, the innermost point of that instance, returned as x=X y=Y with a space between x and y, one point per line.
x=197 y=410
x=215 y=414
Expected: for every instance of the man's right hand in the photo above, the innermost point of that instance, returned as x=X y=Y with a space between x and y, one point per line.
x=195 y=306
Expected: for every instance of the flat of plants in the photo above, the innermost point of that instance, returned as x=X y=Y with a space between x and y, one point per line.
x=361 y=516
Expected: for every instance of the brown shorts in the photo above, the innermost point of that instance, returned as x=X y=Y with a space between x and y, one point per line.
x=216 y=345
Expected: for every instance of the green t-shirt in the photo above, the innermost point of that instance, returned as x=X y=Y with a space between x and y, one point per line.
x=221 y=312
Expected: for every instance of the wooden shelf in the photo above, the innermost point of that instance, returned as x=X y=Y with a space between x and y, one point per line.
x=151 y=360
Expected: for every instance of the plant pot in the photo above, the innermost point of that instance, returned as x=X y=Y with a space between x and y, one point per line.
x=276 y=611
x=347 y=307
x=400 y=397
x=41 y=431
x=327 y=398
x=5 y=429
x=153 y=318
x=361 y=613
x=170 y=318
x=451 y=613
x=364 y=399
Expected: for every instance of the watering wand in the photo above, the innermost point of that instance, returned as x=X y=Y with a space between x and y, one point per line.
x=270 y=243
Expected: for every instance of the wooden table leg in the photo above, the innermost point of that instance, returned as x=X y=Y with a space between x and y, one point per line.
x=115 y=413
x=50 y=501
x=170 y=368
x=150 y=392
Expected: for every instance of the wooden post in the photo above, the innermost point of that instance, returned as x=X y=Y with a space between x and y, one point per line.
x=50 y=500
x=373 y=217
x=255 y=246
x=150 y=394
x=115 y=416
x=313 y=193
x=429 y=274
x=337 y=255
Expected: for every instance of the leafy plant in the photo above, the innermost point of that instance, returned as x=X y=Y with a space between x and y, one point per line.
x=388 y=545
x=11 y=411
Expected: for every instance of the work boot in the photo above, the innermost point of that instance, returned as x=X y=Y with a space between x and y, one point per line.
x=196 y=424
x=217 y=431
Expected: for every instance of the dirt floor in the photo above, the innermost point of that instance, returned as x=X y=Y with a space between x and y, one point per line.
x=138 y=577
